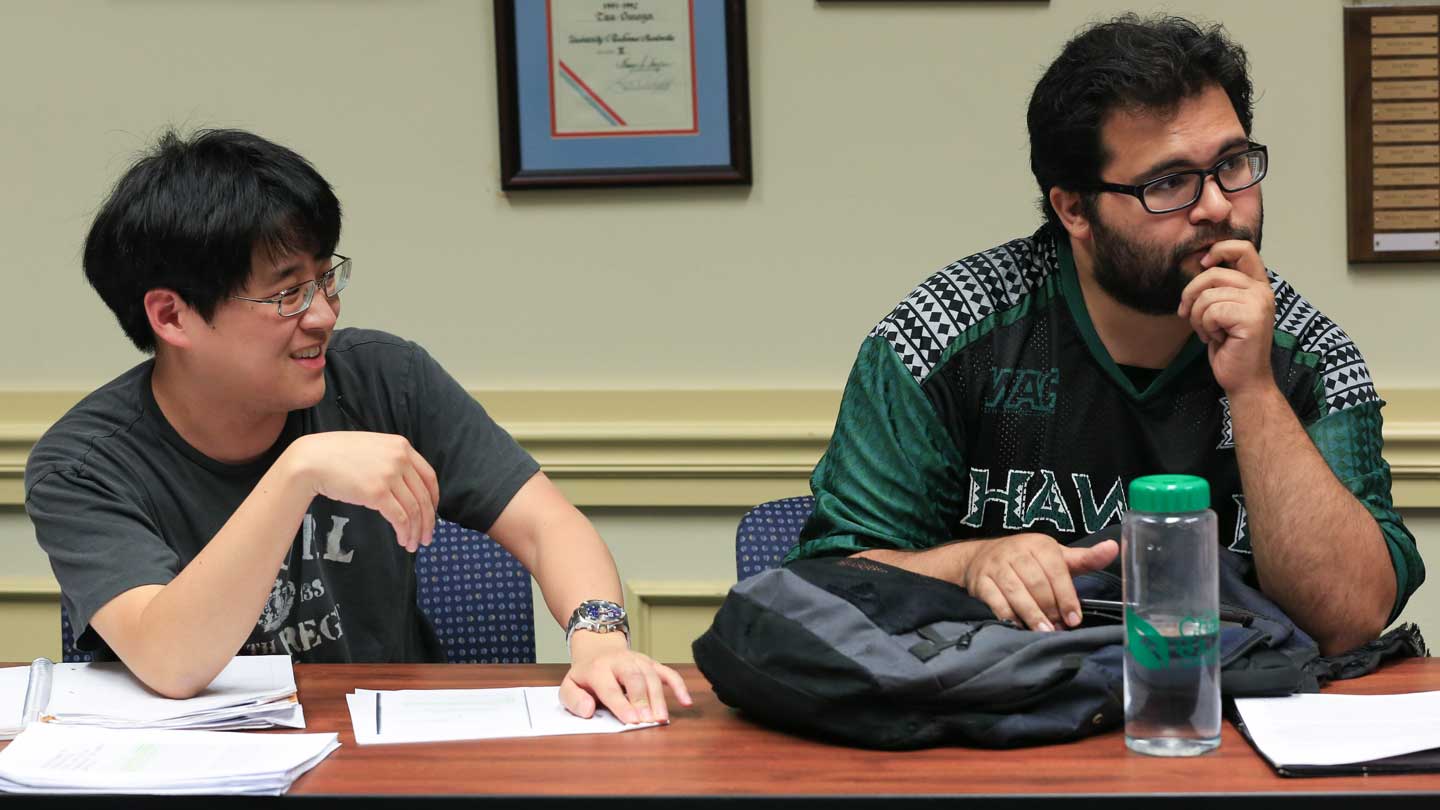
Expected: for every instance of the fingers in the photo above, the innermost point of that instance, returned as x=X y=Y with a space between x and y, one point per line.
x=394 y=512
x=427 y=475
x=655 y=691
x=676 y=683
x=1220 y=319
x=1207 y=313
x=607 y=690
x=1037 y=581
x=1032 y=584
x=1084 y=560
x=629 y=684
x=1022 y=603
x=1217 y=277
x=575 y=699
x=425 y=527
x=1239 y=254
x=400 y=490
x=988 y=592
x=1067 y=604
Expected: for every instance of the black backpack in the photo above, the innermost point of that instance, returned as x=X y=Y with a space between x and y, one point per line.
x=867 y=654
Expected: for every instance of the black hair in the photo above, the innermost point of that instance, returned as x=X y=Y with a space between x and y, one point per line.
x=190 y=213
x=1129 y=63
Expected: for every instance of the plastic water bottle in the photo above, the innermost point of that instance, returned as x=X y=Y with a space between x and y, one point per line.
x=1170 y=557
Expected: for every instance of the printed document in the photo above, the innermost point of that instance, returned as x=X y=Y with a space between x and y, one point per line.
x=433 y=715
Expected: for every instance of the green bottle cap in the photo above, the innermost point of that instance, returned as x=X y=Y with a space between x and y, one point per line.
x=1169 y=493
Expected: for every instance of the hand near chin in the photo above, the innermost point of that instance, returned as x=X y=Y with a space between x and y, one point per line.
x=379 y=471
x=1232 y=309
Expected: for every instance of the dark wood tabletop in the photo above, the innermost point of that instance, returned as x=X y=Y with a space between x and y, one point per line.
x=709 y=749
x=711 y=755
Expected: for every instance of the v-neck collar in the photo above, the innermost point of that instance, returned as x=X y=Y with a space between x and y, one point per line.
x=1075 y=298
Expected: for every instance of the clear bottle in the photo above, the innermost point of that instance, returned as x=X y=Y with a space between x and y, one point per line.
x=1170 y=557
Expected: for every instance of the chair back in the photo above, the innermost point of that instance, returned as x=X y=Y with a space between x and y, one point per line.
x=768 y=532
x=475 y=594
x=69 y=653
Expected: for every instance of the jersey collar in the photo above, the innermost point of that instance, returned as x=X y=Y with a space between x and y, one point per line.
x=1075 y=299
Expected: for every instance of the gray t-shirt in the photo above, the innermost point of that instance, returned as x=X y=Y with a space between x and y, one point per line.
x=120 y=500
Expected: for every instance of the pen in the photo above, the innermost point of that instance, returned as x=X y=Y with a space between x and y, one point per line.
x=37 y=690
x=1236 y=616
x=377 y=713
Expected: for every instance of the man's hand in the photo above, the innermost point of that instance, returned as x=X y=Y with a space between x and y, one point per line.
x=1028 y=578
x=1232 y=308
x=630 y=684
x=376 y=470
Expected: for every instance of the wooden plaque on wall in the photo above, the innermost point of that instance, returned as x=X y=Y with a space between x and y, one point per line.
x=1392 y=132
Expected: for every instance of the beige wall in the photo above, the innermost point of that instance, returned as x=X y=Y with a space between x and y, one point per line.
x=889 y=138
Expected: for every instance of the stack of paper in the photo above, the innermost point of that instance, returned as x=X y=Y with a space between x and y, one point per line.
x=48 y=758
x=251 y=692
x=432 y=715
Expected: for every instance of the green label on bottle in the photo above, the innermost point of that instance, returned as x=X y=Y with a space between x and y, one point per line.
x=1193 y=641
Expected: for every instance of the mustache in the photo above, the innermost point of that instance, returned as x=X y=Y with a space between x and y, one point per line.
x=1211 y=236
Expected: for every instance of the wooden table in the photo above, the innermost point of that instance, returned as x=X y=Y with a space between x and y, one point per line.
x=710 y=755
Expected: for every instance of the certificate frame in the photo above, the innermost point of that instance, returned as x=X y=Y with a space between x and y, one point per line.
x=536 y=154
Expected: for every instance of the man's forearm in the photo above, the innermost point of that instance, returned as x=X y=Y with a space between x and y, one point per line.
x=559 y=547
x=178 y=637
x=947 y=562
x=1318 y=552
x=574 y=565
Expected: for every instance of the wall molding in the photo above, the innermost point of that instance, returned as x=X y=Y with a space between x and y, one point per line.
x=667 y=615
x=690 y=448
x=29 y=589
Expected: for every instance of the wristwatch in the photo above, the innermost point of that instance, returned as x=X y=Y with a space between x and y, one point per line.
x=599 y=616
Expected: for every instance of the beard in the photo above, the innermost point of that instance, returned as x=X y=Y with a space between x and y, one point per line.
x=1147 y=277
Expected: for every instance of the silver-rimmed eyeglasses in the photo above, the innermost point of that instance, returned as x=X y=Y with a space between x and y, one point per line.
x=1183 y=189
x=295 y=300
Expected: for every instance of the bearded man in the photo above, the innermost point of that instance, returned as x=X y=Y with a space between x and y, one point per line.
x=999 y=412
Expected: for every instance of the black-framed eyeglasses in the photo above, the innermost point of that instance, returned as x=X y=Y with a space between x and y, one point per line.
x=297 y=299
x=1183 y=189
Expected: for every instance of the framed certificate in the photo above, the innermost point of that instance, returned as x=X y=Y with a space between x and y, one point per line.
x=622 y=92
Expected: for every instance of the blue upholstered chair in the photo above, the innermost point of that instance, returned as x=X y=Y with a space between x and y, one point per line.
x=477 y=596
x=68 y=653
x=768 y=532
x=475 y=593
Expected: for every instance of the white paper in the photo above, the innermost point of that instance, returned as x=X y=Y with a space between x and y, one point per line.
x=434 y=715
x=109 y=693
x=250 y=692
x=1341 y=729
x=12 y=699
x=48 y=758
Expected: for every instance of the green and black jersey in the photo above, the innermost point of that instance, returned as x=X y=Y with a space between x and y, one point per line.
x=985 y=405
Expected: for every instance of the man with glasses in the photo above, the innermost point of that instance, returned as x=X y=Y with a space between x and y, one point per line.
x=261 y=485
x=999 y=412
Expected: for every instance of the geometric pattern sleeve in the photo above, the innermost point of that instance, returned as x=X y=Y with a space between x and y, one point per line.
x=1350 y=441
x=1347 y=429
x=892 y=476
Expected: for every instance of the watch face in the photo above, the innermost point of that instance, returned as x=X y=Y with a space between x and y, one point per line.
x=600 y=610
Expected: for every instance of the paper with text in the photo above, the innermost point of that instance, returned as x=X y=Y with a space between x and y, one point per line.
x=433 y=715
